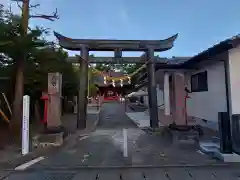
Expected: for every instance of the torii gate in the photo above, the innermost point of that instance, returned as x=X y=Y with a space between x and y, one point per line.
x=86 y=45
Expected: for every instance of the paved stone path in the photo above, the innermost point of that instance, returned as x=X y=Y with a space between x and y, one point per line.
x=100 y=156
x=113 y=116
x=104 y=147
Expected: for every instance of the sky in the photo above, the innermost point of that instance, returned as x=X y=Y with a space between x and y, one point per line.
x=199 y=23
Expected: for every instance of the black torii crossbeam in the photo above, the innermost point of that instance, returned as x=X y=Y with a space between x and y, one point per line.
x=118 y=46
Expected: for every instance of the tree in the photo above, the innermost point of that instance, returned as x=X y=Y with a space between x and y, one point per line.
x=42 y=57
x=51 y=59
x=22 y=42
x=103 y=67
x=125 y=68
x=130 y=68
x=92 y=88
x=16 y=47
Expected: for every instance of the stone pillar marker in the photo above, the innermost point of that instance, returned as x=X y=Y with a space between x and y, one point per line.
x=54 y=107
x=179 y=94
x=166 y=94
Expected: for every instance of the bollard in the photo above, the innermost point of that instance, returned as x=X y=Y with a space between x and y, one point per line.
x=125 y=145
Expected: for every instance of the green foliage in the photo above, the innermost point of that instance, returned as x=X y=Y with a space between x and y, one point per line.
x=104 y=67
x=93 y=89
x=130 y=68
x=42 y=56
x=126 y=68
x=46 y=61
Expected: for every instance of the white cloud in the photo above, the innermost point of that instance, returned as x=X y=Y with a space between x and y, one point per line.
x=114 y=16
x=126 y=21
x=5 y=2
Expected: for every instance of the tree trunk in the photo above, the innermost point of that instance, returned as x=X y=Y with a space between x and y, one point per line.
x=16 y=120
x=10 y=92
x=37 y=112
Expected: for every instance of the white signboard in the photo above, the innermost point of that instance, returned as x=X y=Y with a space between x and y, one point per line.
x=25 y=125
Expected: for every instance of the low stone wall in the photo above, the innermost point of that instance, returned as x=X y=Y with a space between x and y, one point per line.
x=44 y=140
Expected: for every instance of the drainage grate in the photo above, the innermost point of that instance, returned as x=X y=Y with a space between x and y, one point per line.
x=58 y=176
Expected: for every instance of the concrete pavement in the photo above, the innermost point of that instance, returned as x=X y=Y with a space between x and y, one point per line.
x=104 y=147
x=130 y=174
x=100 y=156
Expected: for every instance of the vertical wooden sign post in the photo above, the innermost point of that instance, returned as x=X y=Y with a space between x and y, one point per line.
x=25 y=125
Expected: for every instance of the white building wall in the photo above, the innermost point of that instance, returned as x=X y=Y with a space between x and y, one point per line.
x=234 y=74
x=159 y=97
x=207 y=104
x=145 y=98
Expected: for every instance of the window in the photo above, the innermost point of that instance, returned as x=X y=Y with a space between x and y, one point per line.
x=199 y=82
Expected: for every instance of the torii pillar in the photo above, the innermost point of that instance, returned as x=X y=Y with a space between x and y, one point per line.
x=152 y=92
x=83 y=89
x=86 y=45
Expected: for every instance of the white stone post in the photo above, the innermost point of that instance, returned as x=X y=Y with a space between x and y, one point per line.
x=166 y=94
x=25 y=125
x=75 y=104
x=125 y=144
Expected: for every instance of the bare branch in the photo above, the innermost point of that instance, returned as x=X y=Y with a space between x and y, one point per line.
x=20 y=7
x=10 y=8
x=48 y=17
x=30 y=6
x=34 y=6
x=45 y=29
x=52 y=17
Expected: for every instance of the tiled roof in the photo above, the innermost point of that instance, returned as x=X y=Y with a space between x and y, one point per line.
x=173 y=60
x=185 y=62
x=216 y=49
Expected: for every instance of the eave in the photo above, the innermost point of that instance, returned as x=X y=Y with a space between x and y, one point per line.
x=213 y=51
x=111 y=45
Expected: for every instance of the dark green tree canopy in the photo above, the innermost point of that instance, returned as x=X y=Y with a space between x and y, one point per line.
x=43 y=56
